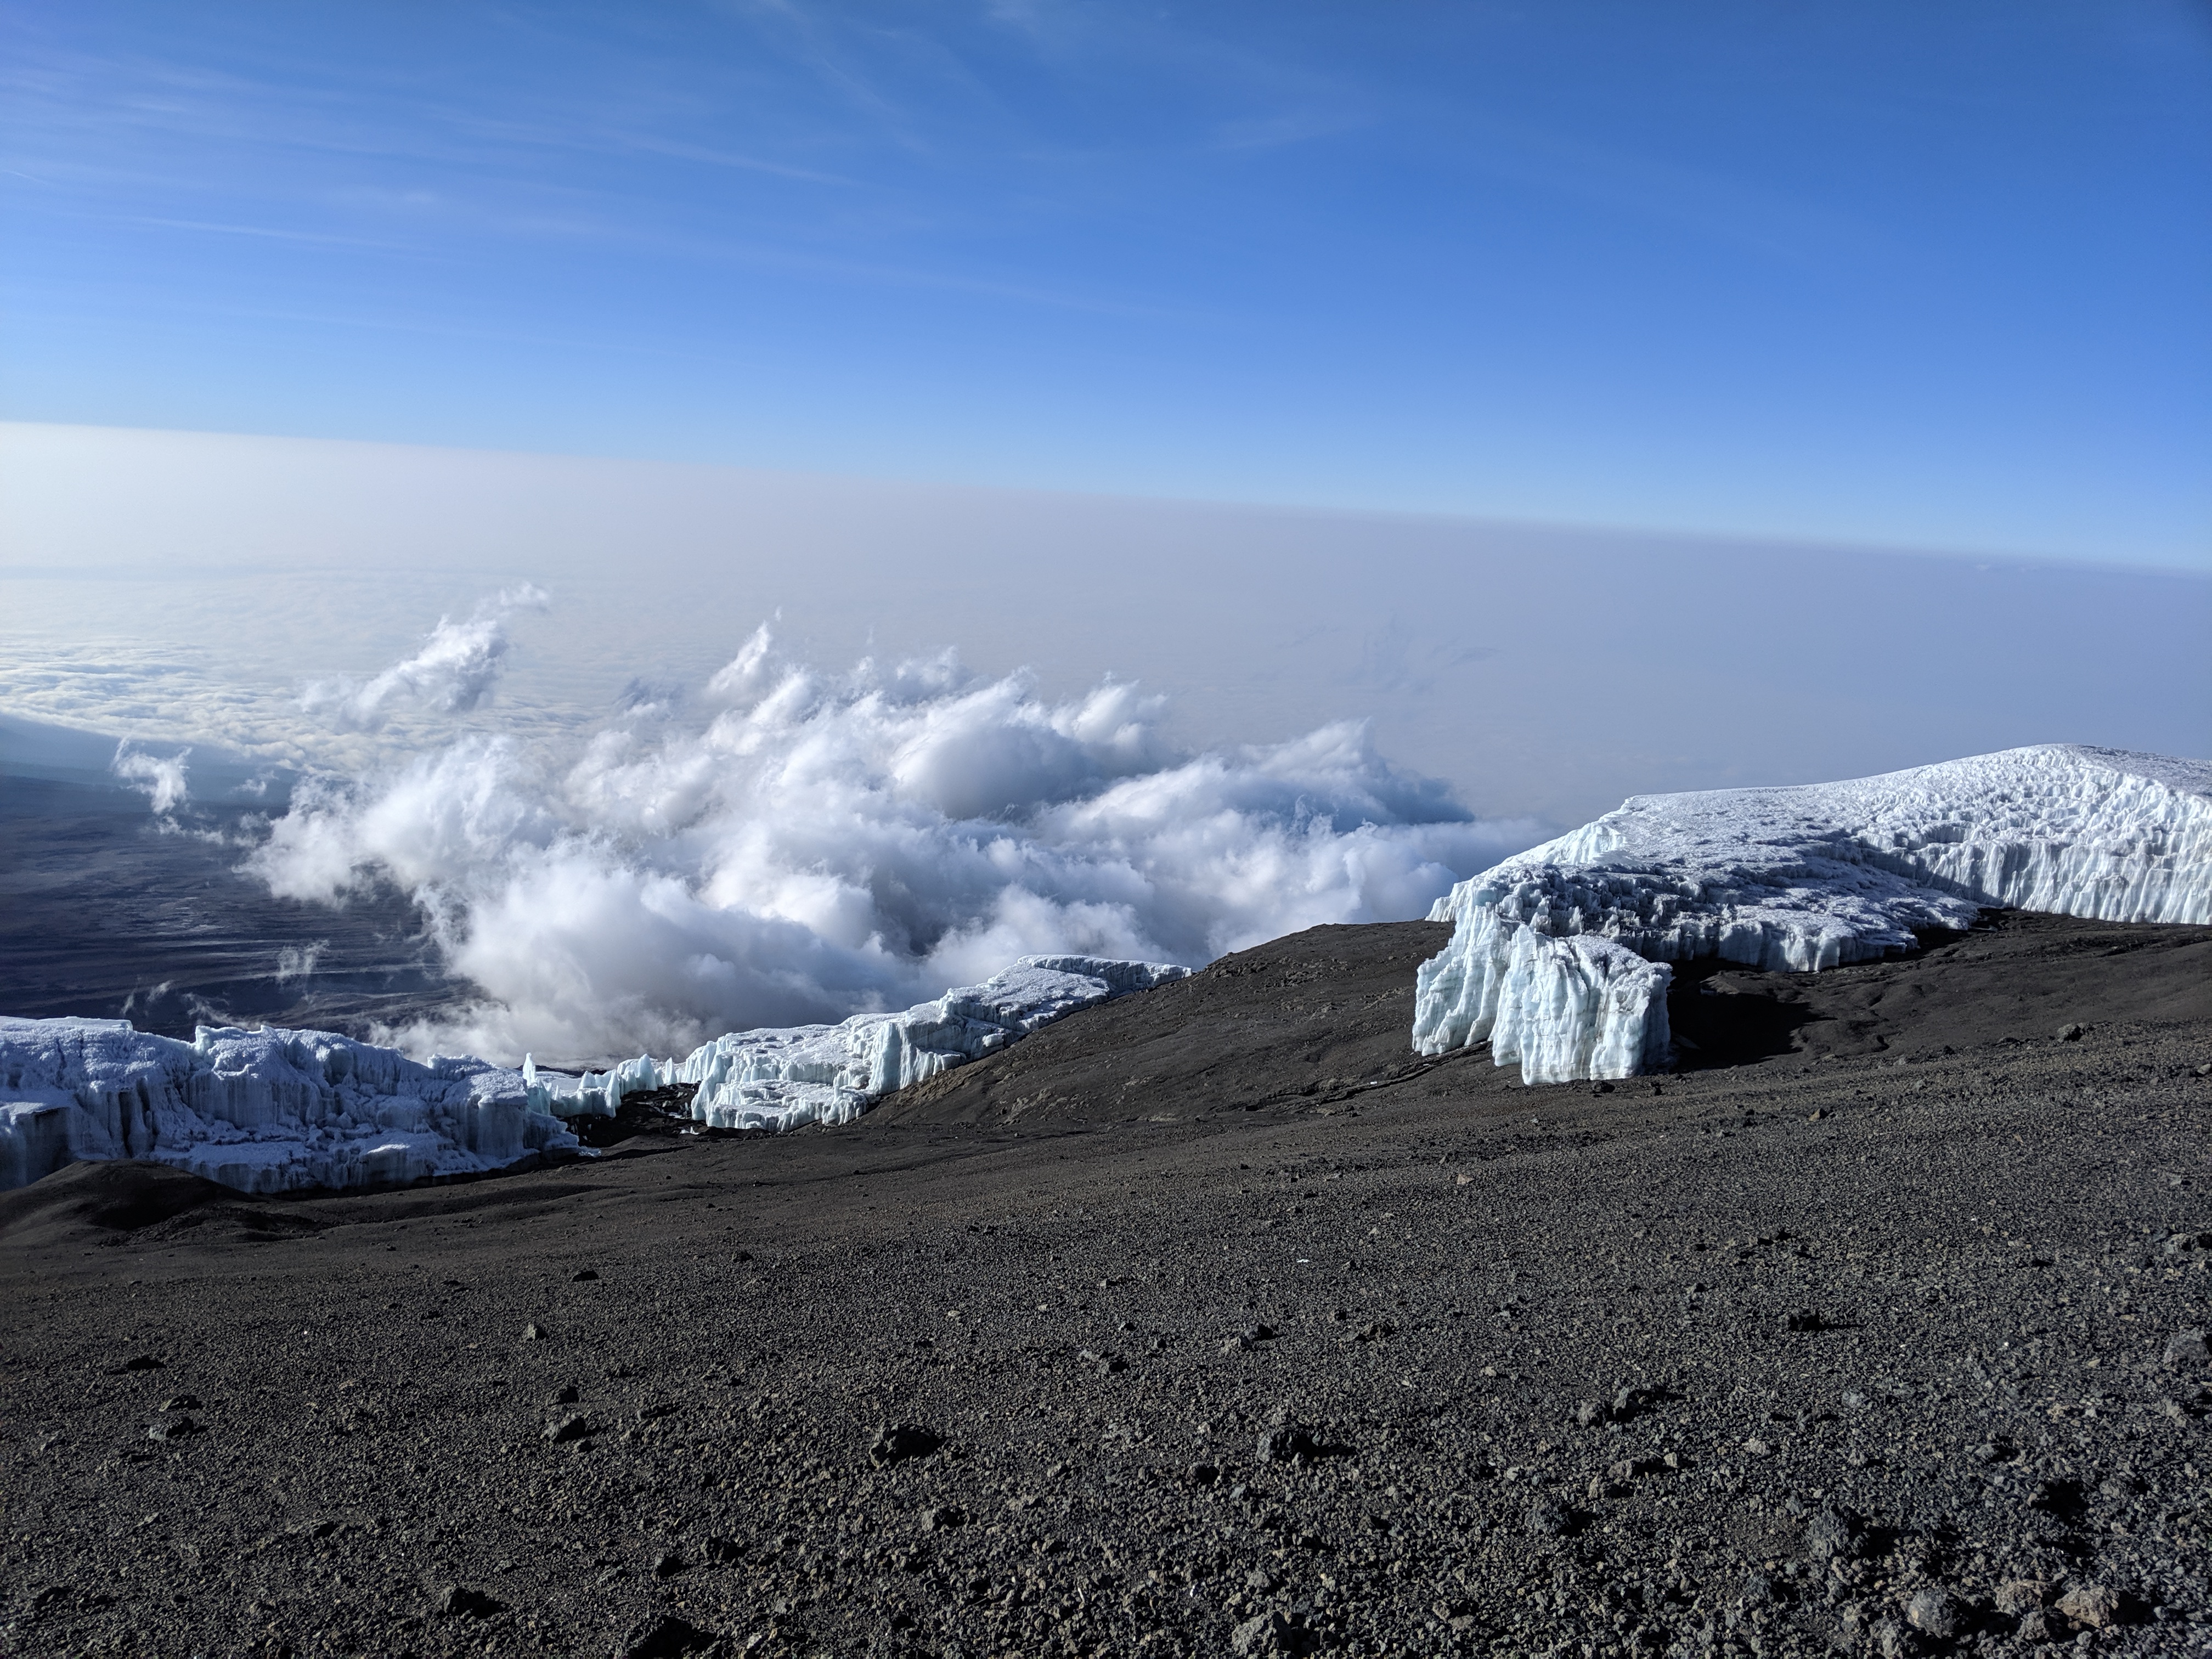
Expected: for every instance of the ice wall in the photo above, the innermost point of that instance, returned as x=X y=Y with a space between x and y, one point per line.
x=784 y=1078
x=265 y=1111
x=1800 y=878
x=273 y=1110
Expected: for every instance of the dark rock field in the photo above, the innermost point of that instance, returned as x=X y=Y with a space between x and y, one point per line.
x=1209 y=1321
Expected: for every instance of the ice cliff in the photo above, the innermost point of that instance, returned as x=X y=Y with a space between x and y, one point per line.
x=783 y=1079
x=265 y=1111
x=1558 y=956
x=272 y=1111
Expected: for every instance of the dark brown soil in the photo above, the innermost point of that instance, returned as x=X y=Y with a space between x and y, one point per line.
x=1236 y=1329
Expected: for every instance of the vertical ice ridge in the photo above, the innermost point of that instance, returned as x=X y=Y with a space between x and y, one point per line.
x=277 y=1110
x=1798 y=879
x=264 y=1111
x=782 y=1080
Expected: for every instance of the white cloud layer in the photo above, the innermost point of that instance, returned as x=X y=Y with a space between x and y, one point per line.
x=786 y=844
x=453 y=674
x=160 y=779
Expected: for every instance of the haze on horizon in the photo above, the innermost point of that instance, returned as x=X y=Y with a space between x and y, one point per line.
x=1914 y=277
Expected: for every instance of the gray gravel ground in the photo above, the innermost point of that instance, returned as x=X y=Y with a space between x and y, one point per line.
x=1873 y=1336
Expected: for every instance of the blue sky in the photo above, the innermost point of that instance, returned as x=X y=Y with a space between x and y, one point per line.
x=1920 y=275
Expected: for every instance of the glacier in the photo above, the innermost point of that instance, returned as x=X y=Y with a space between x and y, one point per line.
x=264 y=1111
x=1559 y=956
x=784 y=1078
x=273 y=1110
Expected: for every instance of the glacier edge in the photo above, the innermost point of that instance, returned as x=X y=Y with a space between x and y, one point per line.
x=1797 y=879
x=274 y=1110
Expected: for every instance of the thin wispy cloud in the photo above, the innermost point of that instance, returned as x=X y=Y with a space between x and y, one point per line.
x=1444 y=257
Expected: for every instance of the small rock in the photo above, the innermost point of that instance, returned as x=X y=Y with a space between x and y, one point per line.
x=1937 y=1613
x=723 y=1551
x=2091 y=1605
x=532 y=1334
x=1288 y=1444
x=1464 y=1181
x=562 y=1430
x=2034 y=1627
x=1548 y=1520
x=1892 y=1640
x=1805 y=1318
x=582 y=1276
x=1271 y=1636
x=1588 y=1414
x=174 y=1428
x=460 y=1601
x=667 y=1564
x=2055 y=1496
x=1602 y=1088
x=569 y=1394
x=896 y=1442
x=944 y=1518
x=183 y=1402
x=141 y=1362
x=2072 y=1033
x=1834 y=1535
x=2016 y=1597
x=1234 y=1345
x=664 y=1635
x=2186 y=1350
x=1755 y=1447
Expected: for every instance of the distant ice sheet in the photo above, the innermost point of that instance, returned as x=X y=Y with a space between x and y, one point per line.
x=264 y=1111
x=1797 y=879
x=784 y=1078
x=271 y=1110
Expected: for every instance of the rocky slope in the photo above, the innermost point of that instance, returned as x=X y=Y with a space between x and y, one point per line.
x=1162 y=1334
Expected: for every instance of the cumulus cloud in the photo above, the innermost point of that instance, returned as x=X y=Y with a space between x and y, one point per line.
x=452 y=673
x=788 y=845
x=160 y=779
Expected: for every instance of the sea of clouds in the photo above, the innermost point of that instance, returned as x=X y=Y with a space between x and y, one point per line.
x=785 y=843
